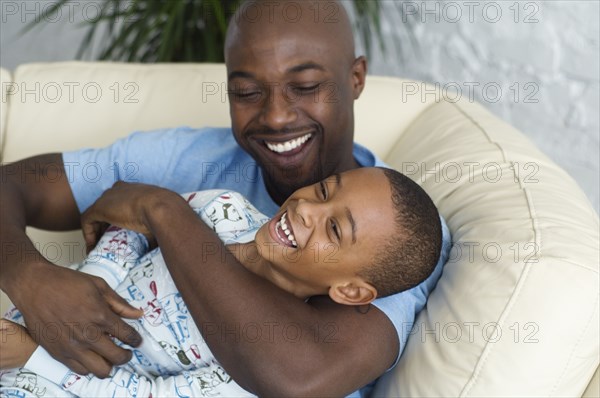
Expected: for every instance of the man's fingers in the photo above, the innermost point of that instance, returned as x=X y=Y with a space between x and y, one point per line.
x=76 y=366
x=120 y=306
x=94 y=363
x=124 y=332
x=116 y=326
x=112 y=353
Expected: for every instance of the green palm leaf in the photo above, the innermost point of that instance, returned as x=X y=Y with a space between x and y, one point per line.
x=192 y=30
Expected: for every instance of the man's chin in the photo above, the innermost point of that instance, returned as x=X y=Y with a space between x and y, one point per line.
x=282 y=185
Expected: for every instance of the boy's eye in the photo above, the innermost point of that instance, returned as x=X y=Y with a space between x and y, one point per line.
x=335 y=229
x=323 y=190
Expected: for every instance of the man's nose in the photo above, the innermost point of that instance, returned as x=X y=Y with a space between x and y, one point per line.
x=278 y=110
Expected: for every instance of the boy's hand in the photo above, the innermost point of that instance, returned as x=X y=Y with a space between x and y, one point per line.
x=16 y=345
x=125 y=205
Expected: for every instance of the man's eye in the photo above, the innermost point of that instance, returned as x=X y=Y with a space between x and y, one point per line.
x=306 y=89
x=323 y=190
x=245 y=94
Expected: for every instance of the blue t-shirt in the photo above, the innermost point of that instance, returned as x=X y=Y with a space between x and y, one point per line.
x=185 y=160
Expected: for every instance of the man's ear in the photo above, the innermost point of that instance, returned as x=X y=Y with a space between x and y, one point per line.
x=359 y=74
x=353 y=293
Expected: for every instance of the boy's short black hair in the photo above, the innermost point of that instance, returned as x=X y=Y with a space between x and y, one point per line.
x=409 y=257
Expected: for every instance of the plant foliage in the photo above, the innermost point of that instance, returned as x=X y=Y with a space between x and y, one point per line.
x=188 y=30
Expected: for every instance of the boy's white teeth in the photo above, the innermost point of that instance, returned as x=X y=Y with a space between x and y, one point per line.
x=283 y=225
x=287 y=146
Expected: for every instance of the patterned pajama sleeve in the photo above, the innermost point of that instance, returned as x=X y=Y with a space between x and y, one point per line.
x=117 y=251
x=208 y=381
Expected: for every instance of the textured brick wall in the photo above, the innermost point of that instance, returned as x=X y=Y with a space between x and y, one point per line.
x=543 y=55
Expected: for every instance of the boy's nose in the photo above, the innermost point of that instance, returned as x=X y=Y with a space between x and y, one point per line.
x=309 y=212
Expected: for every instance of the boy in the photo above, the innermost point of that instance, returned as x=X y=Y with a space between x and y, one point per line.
x=377 y=223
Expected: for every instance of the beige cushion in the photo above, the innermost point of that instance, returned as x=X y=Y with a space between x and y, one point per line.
x=593 y=389
x=108 y=101
x=7 y=87
x=517 y=315
x=541 y=292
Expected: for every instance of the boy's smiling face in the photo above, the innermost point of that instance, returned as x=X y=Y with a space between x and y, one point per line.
x=325 y=233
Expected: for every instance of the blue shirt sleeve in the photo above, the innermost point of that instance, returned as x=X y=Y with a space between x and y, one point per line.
x=179 y=159
x=139 y=157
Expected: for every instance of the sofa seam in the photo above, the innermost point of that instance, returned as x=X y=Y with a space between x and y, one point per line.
x=575 y=346
x=487 y=349
x=483 y=130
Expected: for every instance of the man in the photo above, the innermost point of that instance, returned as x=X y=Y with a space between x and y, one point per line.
x=291 y=88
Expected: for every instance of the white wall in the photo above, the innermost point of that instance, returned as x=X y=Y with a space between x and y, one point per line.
x=543 y=55
x=56 y=39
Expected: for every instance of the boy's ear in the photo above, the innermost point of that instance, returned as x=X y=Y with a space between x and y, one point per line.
x=356 y=292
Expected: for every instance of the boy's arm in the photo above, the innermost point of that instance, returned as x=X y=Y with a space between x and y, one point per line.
x=36 y=192
x=16 y=345
x=317 y=349
x=19 y=350
x=206 y=381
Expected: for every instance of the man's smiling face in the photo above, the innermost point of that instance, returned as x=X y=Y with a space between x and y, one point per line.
x=291 y=92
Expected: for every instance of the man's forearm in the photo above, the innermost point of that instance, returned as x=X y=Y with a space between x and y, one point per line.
x=268 y=340
x=15 y=245
x=29 y=197
x=13 y=239
x=36 y=192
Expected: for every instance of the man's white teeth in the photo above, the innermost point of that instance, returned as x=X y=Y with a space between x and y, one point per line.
x=286 y=230
x=288 y=145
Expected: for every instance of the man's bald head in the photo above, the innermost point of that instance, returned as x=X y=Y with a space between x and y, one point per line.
x=292 y=82
x=325 y=22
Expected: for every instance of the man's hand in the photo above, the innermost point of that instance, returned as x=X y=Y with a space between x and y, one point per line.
x=125 y=205
x=69 y=313
x=73 y=316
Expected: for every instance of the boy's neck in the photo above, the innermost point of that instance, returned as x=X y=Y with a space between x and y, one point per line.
x=249 y=256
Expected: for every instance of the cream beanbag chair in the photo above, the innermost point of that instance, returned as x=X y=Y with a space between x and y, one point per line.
x=516 y=310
